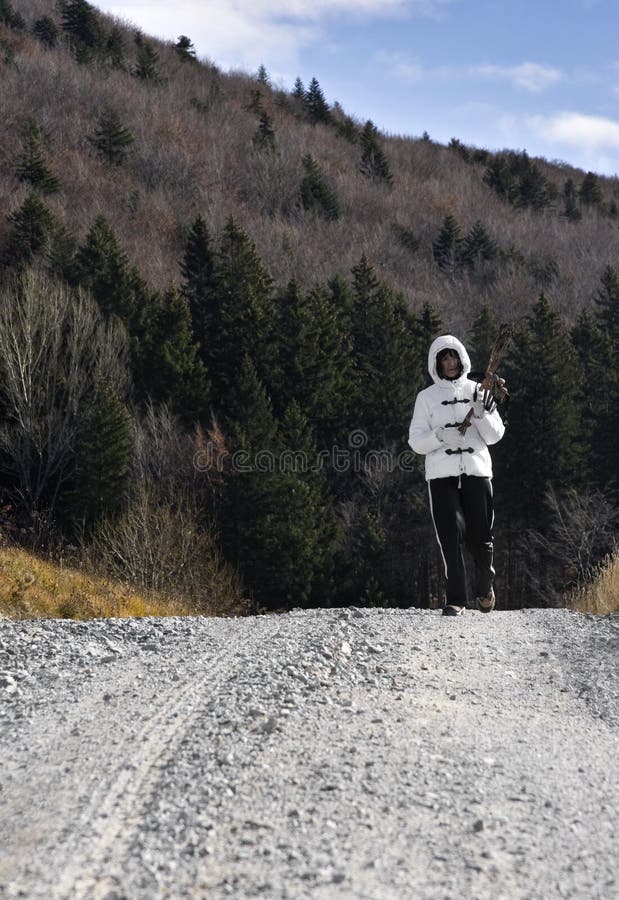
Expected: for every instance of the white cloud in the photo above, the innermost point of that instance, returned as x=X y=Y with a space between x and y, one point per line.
x=245 y=33
x=589 y=133
x=531 y=76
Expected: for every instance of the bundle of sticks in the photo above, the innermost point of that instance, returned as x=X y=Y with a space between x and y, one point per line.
x=493 y=387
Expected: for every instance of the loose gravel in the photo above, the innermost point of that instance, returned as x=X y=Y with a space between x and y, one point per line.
x=318 y=754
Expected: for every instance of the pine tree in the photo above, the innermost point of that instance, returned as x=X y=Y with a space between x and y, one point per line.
x=185 y=49
x=264 y=138
x=374 y=164
x=299 y=89
x=241 y=314
x=544 y=441
x=447 y=247
x=316 y=194
x=147 y=63
x=111 y=140
x=571 y=210
x=61 y=253
x=590 y=192
x=386 y=359
x=82 y=23
x=46 y=31
x=603 y=393
x=173 y=372
x=427 y=326
x=316 y=107
x=499 y=177
x=31 y=166
x=115 y=50
x=313 y=361
x=10 y=18
x=103 y=267
x=478 y=247
x=482 y=337
x=197 y=268
x=103 y=459
x=263 y=76
x=32 y=225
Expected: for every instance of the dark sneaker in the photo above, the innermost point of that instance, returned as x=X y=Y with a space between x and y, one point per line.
x=452 y=610
x=486 y=604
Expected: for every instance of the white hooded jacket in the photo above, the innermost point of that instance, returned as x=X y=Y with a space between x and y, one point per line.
x=447 y=403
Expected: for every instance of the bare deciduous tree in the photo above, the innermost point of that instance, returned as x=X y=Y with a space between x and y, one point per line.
x=54 y=345
x=582 y=532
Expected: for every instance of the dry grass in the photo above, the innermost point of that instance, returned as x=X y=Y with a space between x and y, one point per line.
x=601 y=594
x=32 y=587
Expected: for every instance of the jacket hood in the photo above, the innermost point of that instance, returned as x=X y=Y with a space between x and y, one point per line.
x=447 y=342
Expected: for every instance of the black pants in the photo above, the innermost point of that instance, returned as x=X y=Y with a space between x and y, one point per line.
x=463 y=515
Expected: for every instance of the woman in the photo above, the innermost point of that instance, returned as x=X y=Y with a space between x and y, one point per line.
x=458 y=469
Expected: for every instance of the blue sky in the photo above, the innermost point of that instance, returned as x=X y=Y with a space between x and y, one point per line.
x=538 y=75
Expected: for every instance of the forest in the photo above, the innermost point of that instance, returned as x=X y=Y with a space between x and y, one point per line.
x=216 y=301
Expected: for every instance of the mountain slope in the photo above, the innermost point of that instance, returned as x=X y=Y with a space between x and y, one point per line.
x=194 y=153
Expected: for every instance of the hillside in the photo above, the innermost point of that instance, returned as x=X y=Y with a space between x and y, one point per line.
x=216 y=301
x=194 y=153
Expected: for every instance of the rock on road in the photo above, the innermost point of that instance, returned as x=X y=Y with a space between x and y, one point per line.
x=321 y=754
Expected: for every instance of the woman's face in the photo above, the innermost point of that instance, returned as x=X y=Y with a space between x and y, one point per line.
x=448 y=364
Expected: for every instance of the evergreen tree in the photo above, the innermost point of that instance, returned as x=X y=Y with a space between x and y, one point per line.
x=316 y=194
x=264 y=138
x=147 y=63
x=172 y=371
x=115 y=50
x=46 y=31
x=32 y=225
x=386 y=359
x=461 y=149
x=299 y=89
x=61 y=252
x=111 y=140
x=544 y=441
x=515 y=178
x=103 y=459
x=263 y=76
x=499 y=177
x=82 y=24
x=197 y=268
x=447 y=246
x=103 y=268
x=185 y=49
x=313 y=361
x=316 y=107
x=571 y=210
x=10 y=18
x=590 y=192
x=482 y=336
x=241 y=314
x=603 y=383
x=427 y=326
x=374 y=164
x=478 y=247
x=31 y=166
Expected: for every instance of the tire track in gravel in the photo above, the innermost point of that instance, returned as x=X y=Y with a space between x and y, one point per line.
x=80 y=846
x=378 y=754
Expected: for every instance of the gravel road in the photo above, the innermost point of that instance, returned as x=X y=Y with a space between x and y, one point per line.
x=321 y=754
